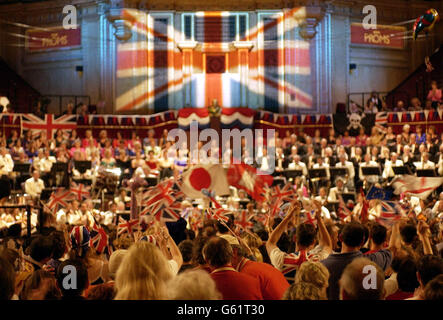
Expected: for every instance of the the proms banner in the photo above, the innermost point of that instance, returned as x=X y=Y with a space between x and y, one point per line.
x=382 y=36
x=52 y=38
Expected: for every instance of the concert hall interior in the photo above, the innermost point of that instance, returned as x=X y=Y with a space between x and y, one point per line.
x=221 y=150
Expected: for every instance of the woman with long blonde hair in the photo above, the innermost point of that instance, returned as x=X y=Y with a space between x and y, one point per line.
x=143 y=274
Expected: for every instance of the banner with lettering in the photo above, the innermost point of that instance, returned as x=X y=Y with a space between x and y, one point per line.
x=52 y=38
x=382 y=36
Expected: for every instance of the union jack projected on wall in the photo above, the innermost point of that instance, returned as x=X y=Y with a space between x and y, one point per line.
x=250 y=59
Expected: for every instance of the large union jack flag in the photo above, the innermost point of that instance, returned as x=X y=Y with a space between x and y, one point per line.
x=49 y=124
x=177 y=59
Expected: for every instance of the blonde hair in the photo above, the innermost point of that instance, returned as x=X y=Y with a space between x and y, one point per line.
x=313 y=272
x=254 y=242
x=142 y=274
x=193 y=285
x=304 y=291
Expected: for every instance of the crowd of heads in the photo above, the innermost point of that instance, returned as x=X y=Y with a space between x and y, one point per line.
x=283 y=257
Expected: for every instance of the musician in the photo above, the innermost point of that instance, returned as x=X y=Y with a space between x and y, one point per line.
x=408 y=158
x=394 y=162
x=110 y=216
x=6 y=162
x=44 y=163
x=368 y=163
x=330 y=159
x=108 y=161
x=298 y=165
x=320 y=164
x=309 y=158
x=280 y=162
x=322 y=196
x=347 y=164
x=397 y=147
x=338 y=189
x=425 y=163
x=122 y=200
x=323 y=146
x=34 y=185
x=439 y=159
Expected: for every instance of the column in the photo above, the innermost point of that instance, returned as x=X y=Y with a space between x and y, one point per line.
x=243 y=48
x=187 y=48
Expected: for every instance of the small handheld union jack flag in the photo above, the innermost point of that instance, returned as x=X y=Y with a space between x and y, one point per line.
x=127 y=226
x=162 y=202
x=280 y=195
x=243 y=220
x=80 y=191
x=59 y=198
x=218 y=214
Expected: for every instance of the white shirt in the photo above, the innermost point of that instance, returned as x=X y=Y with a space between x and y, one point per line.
x=298 y=166
x=44 y=164
x=34 y=188
x=6 y=163
x=348 y=165
x=334 y=192
x=388 y=172
x=424 y=165
x=371 y=178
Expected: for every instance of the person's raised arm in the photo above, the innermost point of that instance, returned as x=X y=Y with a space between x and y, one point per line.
x=275 y=235
x=423 y=234
x=394 y=241
x=175 y=251
x=324 y=237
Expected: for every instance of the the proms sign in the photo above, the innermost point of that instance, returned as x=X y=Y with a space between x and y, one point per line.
x=52 y=38
x=382 y=36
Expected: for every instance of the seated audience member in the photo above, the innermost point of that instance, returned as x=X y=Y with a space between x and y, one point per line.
x=428 y=268
x=115 y=260
x=435 y=94
x=233 y=285
x=142 y=274
x=65 y=285
x=311 y=282
x=353 y=283
x=193 y=285
x=353 y=238
x=272 y=282
x=305 y=241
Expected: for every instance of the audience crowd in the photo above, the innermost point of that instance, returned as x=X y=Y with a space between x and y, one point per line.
x=291 y=256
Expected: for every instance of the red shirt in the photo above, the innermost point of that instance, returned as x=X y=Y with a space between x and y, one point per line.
x=273 y=283
x=235 y=285
x=400 y=295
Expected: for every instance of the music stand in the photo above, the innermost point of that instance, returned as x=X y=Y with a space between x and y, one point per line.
x=292 y=174
x=401 y=170
x=426 y=173
x=317 y=173
x=60 y=167
x=82 y=166
x=337 y=172
x=348 y=196
x=371 y=171
x=22 y=168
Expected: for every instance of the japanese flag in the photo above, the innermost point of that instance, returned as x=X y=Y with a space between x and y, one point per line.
x=209 y=177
